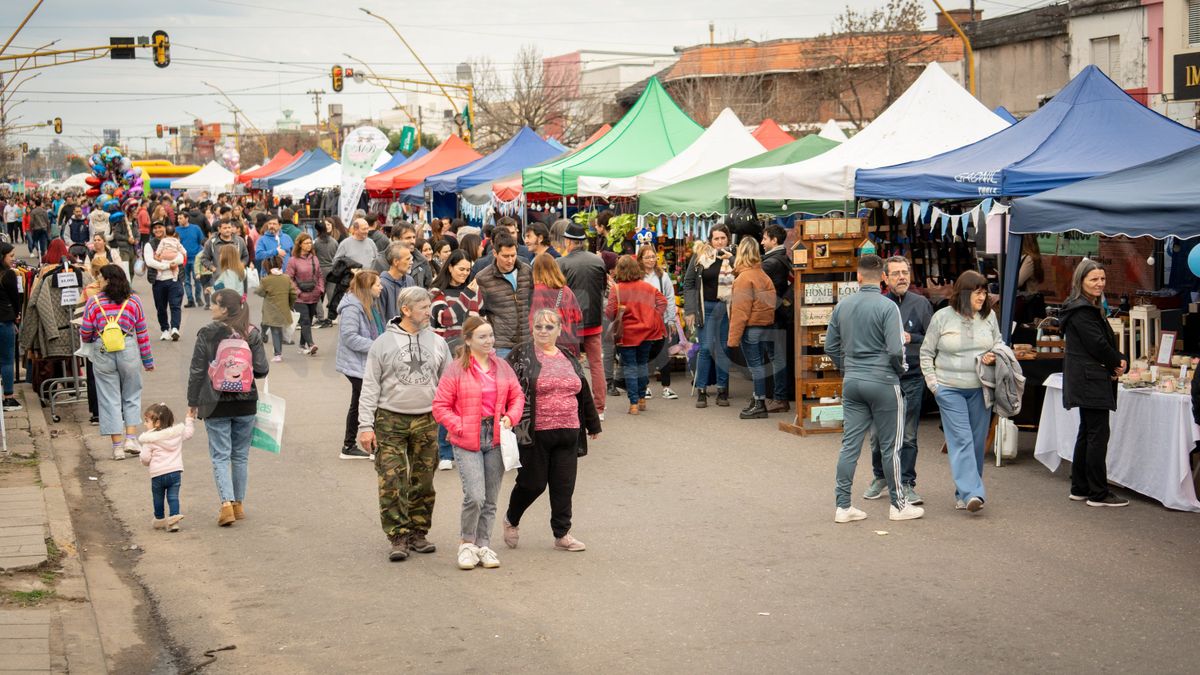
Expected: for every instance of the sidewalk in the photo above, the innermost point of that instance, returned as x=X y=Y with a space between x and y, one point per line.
x=46 y=622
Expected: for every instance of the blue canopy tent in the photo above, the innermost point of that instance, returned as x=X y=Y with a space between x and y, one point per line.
x=1157 y=199
x=523 y=150
x=1003 y=114
x=311 y=161
x=1089 y=128
x=398 y=159
x=557 y=145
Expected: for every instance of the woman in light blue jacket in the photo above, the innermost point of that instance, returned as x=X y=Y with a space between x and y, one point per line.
x=360 y=321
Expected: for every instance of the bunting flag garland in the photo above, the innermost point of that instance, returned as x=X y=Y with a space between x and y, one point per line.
x=904 y=210
x=924 y=210
x=935 y=216
x=986 y=207
x=658 y=226
x=945 y=223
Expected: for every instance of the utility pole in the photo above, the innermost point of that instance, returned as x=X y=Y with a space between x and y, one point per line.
x=317 y=94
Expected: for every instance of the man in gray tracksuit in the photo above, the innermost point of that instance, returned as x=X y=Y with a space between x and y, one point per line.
x=865 y=341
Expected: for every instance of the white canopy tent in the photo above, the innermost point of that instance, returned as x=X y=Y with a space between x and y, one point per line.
x=76 y=181
x=933 y=116
x=833 y=132
x=725 y=142
x=212 y=178
x=326 y=177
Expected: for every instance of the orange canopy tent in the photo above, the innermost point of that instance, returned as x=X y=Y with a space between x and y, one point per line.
x=451 y=154
x=507 y=189
x=771 y=135
x=279 y=161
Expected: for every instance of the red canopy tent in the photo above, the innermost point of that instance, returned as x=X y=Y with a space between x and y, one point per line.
x=451 y=154
x=507 y=189
x=279 y=161
x=771 y=135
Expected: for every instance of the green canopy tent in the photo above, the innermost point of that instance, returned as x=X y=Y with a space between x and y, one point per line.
x=709 y=194
x=653 y=131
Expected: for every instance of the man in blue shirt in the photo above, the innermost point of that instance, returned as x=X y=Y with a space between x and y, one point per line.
x=192 y=237
x=272 y=242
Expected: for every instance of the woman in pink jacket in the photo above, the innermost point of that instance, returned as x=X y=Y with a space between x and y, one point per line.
x=477 y=395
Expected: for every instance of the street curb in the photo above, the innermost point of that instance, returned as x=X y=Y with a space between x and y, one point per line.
x=81 y=649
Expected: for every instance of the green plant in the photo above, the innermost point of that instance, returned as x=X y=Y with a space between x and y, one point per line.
x=30 y=598
x=621 y=227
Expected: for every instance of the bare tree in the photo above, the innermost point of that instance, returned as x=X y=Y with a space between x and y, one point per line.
x=872 y=58
x=739 y=84
x=529 y=95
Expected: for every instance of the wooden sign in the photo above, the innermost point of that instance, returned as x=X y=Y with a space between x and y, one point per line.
x=818 y=293
x=814 y=338
x=823 y=388
x=812 y=228
x=833 y=228
x=834 y=255
x=815 y=316
x=847 y=288
x=800 y=257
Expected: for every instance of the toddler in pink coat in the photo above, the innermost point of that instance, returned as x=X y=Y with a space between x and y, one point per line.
x=162 y=453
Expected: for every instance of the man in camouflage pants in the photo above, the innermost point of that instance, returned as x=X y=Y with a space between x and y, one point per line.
x=395 y=421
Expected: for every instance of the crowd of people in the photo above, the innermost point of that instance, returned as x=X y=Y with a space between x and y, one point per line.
x=452 y=336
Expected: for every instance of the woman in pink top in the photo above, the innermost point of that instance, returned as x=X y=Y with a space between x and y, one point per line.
x=478 y=394
x=558 y=419
x=162 y=453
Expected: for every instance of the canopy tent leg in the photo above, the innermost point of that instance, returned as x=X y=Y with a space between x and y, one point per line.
x=1011 y=266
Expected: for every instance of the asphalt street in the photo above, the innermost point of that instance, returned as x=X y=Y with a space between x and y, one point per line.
x=711 y=548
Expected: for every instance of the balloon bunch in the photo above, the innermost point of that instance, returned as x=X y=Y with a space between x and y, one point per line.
x=114 y=184
x=230 y=157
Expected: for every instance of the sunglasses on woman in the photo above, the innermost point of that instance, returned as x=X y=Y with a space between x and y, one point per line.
x=545 y=327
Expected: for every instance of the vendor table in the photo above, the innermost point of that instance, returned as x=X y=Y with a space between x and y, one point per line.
x=1148 y=452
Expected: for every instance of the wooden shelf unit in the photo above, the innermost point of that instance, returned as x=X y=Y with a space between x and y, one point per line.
x=823 y=263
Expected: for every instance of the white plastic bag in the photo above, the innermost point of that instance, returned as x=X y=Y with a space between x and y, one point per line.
x=509 y=450
x=1006 y=439
x=139 y=267
x=289 y=332
x=268 y=422
x=251 y=279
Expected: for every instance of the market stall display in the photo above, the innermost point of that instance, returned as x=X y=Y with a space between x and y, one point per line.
x=452 y=153
x=213 y=178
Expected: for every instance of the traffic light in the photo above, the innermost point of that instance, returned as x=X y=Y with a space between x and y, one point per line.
x=58 y=125
x=158 y=128
x=335 y=74
x=162 y=48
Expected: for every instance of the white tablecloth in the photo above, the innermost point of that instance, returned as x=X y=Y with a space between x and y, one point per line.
x=1152 y=435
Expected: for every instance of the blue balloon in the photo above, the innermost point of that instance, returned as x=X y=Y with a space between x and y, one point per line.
x=1194 y=260
x=112 y=206
x=116 y=216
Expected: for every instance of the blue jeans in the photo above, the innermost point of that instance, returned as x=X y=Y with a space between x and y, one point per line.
x=481 y=473
x=168 y=294
x=229 y=448
x=754 y=347
x=192 y=285
x=8 y=351
x=965 y=421
x=276 y=339
x=636 y=363
x=713 y=336
x=775 y=350
x=166 y=486
x=118 y=387
x=39 y=242
x=445 y=450
x=913 y=389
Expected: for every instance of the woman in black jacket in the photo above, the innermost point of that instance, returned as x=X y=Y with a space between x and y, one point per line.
x=1090 y=372
x=228 y=415
x=10 y=312
x=553 y=431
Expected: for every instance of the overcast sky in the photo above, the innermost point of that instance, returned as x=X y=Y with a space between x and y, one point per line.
x=266 y=53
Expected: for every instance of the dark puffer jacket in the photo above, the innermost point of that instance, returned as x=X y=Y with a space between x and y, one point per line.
x=506 y=309
x=200 y=394
x=527 y=366
x=1091 y=357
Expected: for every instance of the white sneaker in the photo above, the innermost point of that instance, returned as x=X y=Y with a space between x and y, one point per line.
x=601 y=417
x=166 y=335
x=132 y=447
x=848 y=515
x=648 y=394
x=119 y=454
x=468 y=556
x=488 y=558
x=445 y=465
x=909 y=512
x=668 y=394
x=175 y=334
x=303 y=350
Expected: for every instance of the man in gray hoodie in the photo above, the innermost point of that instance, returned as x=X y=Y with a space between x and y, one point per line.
x=865 y=341
x=395 y=421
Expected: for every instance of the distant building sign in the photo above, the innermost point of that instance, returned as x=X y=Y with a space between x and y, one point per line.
x=1187 y=76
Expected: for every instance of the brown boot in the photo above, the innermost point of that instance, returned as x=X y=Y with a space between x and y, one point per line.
x=225 y=518
x=774 y=406
x=642 y=404
x=238 y=511
x=399 y=550
x=634 y=409
x=418 y=543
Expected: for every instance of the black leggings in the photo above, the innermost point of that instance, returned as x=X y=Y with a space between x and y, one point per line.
x=551 y=462
x=352 y=414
